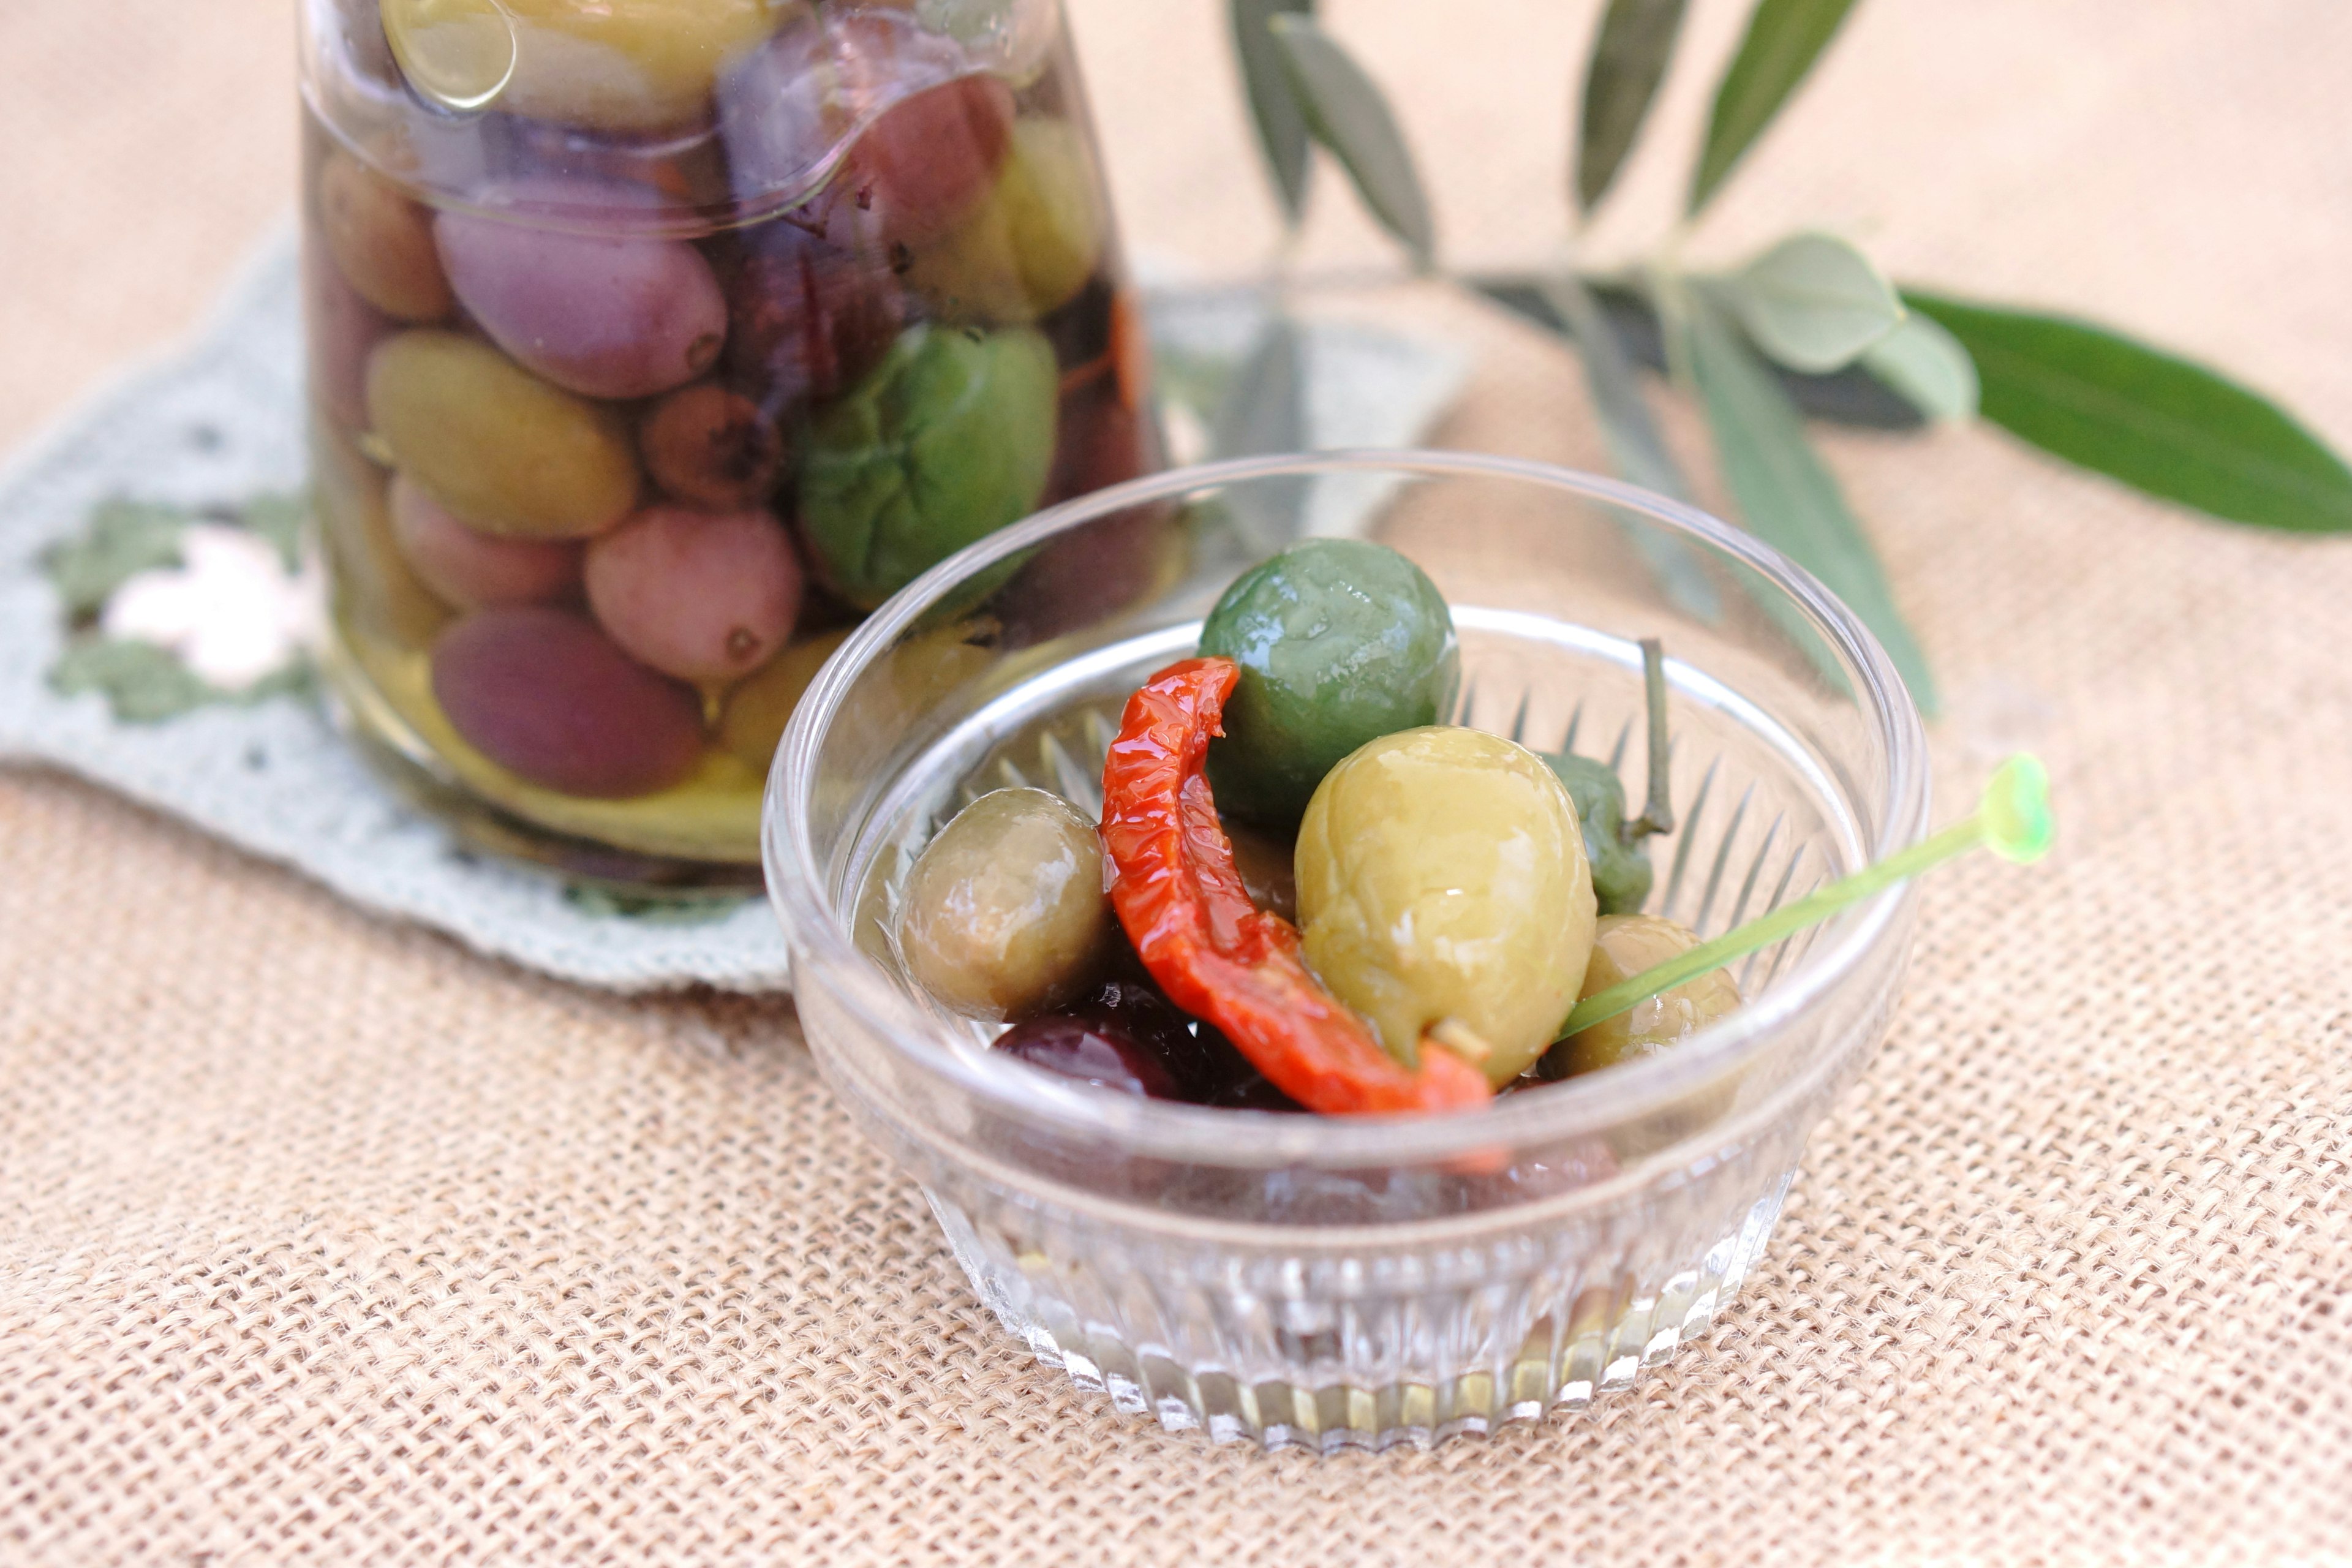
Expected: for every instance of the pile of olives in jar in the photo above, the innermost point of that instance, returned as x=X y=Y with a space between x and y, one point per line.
x=1308 y=835
x=652 y=346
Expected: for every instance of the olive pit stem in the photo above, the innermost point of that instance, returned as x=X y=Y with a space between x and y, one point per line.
x=1658 y=810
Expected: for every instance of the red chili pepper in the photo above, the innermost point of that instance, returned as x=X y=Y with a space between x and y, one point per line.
x=1218 y=956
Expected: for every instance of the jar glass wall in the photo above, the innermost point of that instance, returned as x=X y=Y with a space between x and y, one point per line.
x=653 y=346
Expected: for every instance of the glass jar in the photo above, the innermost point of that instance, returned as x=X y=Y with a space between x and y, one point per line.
x=653 y=344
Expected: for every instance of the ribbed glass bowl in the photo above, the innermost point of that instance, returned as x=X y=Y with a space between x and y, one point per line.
x=1333 y=1282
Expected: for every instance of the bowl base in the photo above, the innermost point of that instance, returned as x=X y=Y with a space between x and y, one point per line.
x=1577 y=1346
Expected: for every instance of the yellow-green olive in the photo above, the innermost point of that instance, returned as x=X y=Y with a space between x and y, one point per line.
x=760 y=706
x=634 y=65
x=1442 y=879
x=1623 y=947
x=501 y=449
x=1003 y=913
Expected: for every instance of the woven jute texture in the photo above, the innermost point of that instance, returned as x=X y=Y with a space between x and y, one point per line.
x=321 y=1239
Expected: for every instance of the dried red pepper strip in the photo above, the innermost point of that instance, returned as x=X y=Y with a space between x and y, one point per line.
x=1217 y=956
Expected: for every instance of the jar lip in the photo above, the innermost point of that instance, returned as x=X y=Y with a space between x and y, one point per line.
x=1207 y=1135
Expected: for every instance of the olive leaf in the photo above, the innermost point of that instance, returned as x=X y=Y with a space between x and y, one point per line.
x=1786 y=494
x=1814 y=302
x=1629 y=58
x=1784 y=38
x=121 y=539
x=1928 y=365
x=1346 y=112
x=2153 y=420
x=1636 y=448
x=1848 y=396
x=1273 y=108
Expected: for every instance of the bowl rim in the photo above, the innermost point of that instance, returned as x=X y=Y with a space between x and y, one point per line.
x=1207 y=1135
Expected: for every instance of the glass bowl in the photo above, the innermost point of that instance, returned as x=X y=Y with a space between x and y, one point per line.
x=1327 y=1282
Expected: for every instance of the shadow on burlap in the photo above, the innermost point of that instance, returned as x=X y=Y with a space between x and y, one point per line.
x=318 y=1236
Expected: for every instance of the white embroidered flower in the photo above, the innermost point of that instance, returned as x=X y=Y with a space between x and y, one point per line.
x=231 y=611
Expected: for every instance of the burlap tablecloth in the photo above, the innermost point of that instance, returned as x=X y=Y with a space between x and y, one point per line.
x=318 y=1238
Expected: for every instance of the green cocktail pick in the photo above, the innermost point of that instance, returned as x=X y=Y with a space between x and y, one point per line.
x=2012 y=819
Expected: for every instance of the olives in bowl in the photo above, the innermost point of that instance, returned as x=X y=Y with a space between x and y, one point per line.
x=702 y=328
x=1422 y=1248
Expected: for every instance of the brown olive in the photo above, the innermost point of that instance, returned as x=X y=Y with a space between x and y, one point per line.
x=1623 y=947
x=380 y=241
x=711 y=447
x=1003 y=913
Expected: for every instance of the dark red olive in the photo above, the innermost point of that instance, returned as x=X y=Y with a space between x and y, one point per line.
x=1092 y=1049
x=806 y=317
x=546 y=695
x=1127 y=1036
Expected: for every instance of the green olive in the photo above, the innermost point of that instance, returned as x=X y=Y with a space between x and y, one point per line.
x=948 y=439
x=1621 y=869
x=1623 y=947
x=1033 y=242
x=1004 y=912
x=500 y=449
x=1442 y=879
x=1340 y=641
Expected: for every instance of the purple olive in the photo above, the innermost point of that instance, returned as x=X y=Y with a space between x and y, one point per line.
x=473 y=569
x=700 y=596
x=545 y=695
x=613 y=315
x=809 y=319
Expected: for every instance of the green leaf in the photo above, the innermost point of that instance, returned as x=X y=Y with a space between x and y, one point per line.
x=1636 y=448
x=1786 y=493
x=1784 y=38
x=1628 y=60
x=1814 y=302
x=2148 y=418
x=1347 y=113
x=121 y=539
x=1273 y=108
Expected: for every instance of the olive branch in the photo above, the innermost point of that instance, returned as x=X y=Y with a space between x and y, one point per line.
x=1808 y=327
